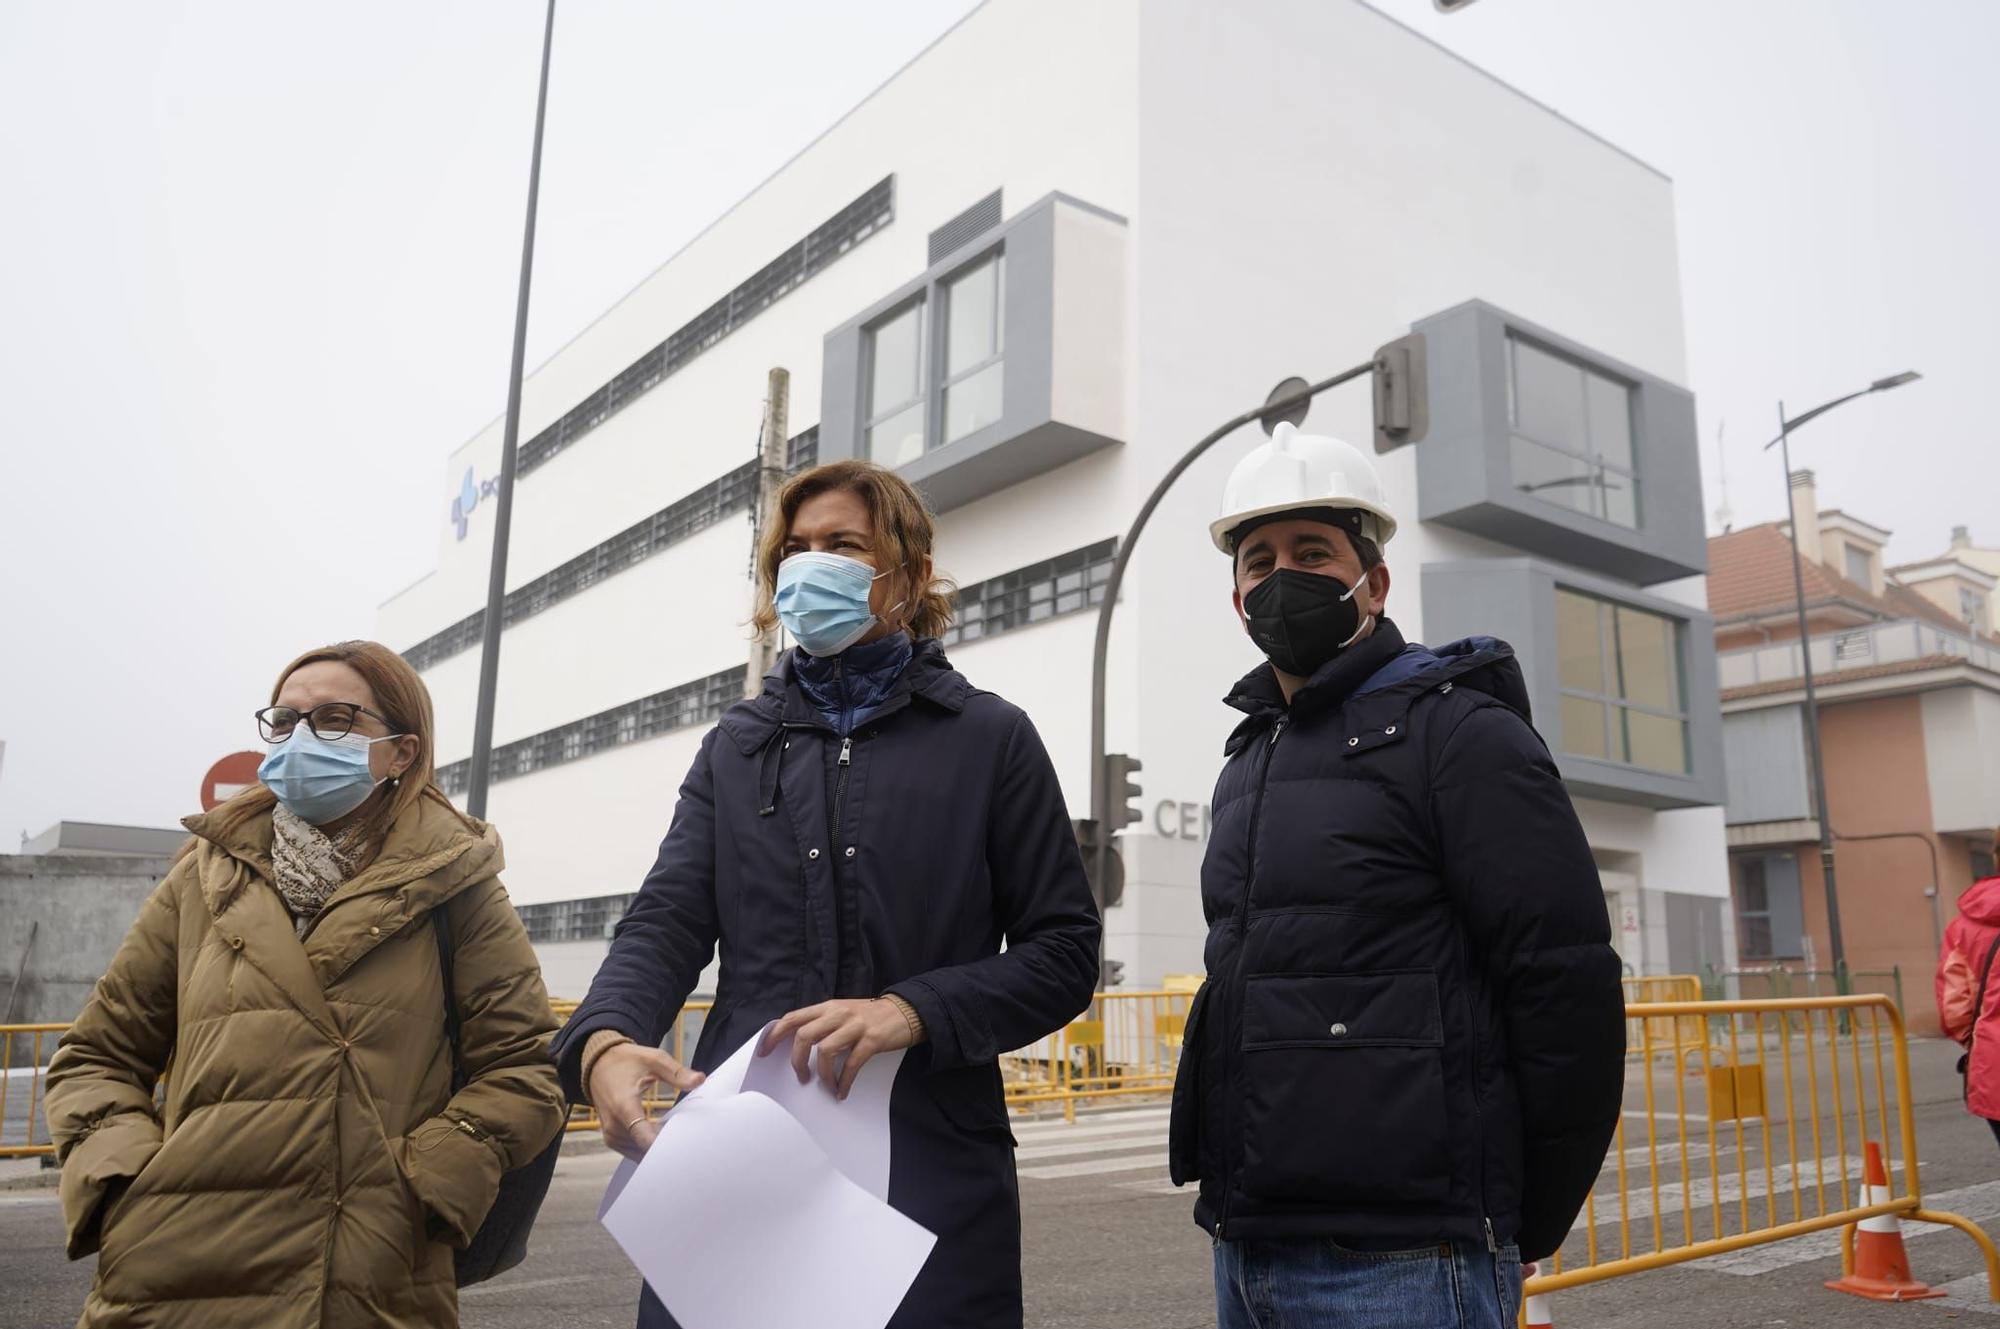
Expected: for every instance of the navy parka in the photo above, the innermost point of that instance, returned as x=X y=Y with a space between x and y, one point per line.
x=894 y=858
x=1412 y=1029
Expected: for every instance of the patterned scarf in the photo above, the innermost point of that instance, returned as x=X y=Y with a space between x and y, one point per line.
x=309 y=864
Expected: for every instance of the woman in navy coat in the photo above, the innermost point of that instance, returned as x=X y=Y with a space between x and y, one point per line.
x=860 y=840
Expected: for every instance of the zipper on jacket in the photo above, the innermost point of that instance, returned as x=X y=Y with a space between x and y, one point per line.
x=1233 y=1047
x=836 y=815
x=1478 y=1112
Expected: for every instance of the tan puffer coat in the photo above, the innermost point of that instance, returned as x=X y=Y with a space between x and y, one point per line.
x=311 y=1165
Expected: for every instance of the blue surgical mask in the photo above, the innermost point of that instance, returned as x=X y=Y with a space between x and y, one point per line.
x=823 y=601
x=320 y=779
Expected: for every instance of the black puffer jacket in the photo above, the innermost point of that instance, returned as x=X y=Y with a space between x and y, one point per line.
x=1413 y=1025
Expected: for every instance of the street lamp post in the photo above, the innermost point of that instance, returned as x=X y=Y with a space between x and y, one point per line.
x=496 y=584
x=1783 y=443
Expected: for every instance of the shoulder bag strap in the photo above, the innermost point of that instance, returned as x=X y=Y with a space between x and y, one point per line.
x=1979 y=1002
x=441 y=930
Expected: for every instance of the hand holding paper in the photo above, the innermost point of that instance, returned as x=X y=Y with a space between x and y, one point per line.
x=754 y=1166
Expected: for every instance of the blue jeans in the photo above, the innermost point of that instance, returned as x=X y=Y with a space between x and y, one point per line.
x=1312 y=1283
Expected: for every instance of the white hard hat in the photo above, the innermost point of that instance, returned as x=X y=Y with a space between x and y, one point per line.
x=1294 y=471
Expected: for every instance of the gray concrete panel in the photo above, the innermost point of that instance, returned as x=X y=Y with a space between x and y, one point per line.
x=1464 y=466
x=1027 y=440
x=1514 y=599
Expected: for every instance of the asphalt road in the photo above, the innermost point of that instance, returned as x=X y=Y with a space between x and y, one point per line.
x=1108 y=1244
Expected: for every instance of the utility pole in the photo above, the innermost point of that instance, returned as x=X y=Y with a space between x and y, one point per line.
x=1814 y=753
x=496 y=582
x=770 y=479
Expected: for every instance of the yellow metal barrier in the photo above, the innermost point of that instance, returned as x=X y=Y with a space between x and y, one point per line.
x=25 y=1050
x=1126 y=1045
x=1751 y=1132
x=1651 y=992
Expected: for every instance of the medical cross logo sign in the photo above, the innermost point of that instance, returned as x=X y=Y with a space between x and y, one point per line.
x=470 y=492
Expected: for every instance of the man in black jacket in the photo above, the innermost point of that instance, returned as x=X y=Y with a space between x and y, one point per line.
x=1408 y=1060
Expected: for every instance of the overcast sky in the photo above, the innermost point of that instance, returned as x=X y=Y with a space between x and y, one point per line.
x=257 y=272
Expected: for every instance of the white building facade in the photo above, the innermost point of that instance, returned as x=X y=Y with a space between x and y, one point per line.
x=1031 y=270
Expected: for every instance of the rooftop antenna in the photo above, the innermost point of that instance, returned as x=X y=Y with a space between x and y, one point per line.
x=1725 y=517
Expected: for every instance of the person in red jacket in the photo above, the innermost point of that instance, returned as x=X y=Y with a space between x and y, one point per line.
x=1968 y=993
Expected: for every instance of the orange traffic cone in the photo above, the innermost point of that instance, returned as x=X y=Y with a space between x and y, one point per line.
x=1881 y=1266
x=1535 y=1315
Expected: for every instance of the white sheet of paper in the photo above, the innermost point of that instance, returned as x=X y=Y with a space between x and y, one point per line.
x=752 y=1169
x=855 y=1132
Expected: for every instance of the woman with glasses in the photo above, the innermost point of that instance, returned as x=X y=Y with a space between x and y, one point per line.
x=862 y=840
x=260 y=1116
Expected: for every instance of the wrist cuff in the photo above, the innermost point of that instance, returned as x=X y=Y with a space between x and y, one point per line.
x=594 y=1047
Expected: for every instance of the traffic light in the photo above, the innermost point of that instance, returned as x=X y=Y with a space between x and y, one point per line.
x=1122 y=795
x=1106 y=873
x=1402 y=392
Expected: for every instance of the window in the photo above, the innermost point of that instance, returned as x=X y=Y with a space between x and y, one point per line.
x=692 y=703
x=1859 y=567
x=573 y=920
x=975 y=316
x=827 y=242
x=1982 y=862
x=896 y=386
x=1972 y=608
x=1065 y=584
x=1769 y=917
x=900 y=377
x=1572 y=439
x=1623 y=697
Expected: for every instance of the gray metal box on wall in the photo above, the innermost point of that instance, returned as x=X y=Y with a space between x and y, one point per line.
x=1516 y=600
x=1061 y=358
x=1611 y=480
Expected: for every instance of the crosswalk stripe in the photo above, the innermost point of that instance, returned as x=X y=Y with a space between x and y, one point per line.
x=1123 y=1144
x=1969 y=1293
x=1056 y=1171
x=1035 y=1135
x=1056 y=1125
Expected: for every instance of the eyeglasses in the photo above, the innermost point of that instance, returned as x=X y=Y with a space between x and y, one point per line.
x=328 y=720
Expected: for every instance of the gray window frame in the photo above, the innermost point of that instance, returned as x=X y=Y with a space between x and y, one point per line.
x=1030 y=437
x=1465 y=470
x=1514 y=599
x=1609 y=656
x=1598 y=467
x=873 y=416
x=1867 y=565
x=940 y=378
x=1771 y=916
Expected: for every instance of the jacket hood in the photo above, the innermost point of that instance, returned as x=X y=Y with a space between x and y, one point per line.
x=784 y=702
x=1388 y=672
x=1484 y=663
x=1981 y=902
x=433 y=844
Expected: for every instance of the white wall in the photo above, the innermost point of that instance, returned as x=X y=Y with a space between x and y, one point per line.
x=1284 y=218
x=1962 y=758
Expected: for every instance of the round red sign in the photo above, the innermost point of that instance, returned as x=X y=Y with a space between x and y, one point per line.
x=228 y=778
